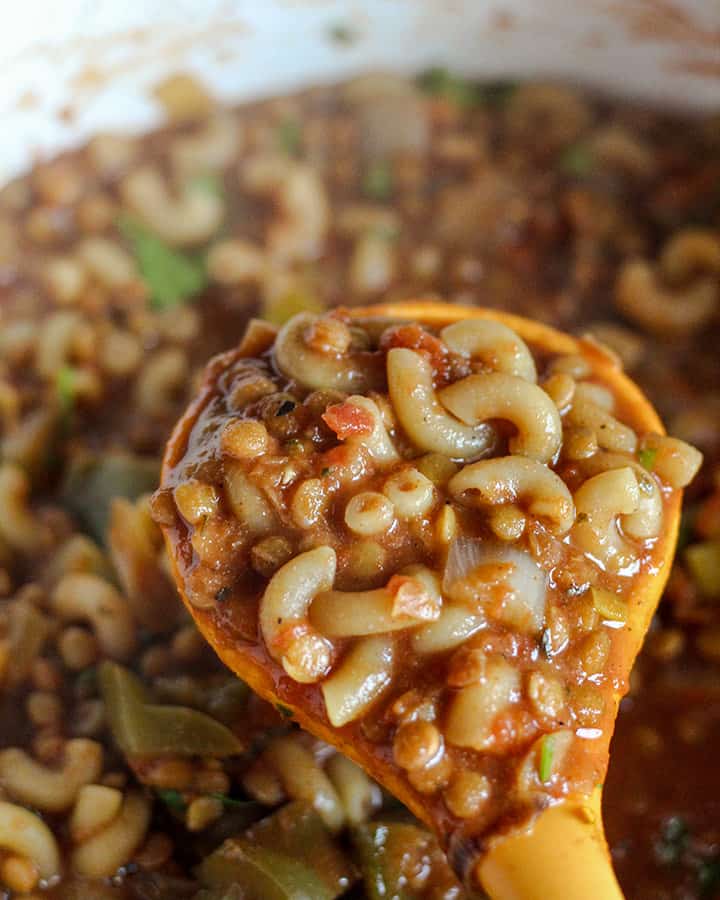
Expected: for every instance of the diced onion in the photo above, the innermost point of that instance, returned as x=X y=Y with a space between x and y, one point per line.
x=524 y=605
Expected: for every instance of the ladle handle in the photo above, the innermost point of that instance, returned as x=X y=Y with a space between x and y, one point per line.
x=564 y=857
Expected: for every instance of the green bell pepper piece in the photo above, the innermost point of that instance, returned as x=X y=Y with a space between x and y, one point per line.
x=298 y=830
x=289 y=855
x=91 y=483
x=380 y=849
x=261 y=873
x=143 y=728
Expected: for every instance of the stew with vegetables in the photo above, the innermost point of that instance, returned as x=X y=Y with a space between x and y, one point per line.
x=437 y=569
x=125 y=265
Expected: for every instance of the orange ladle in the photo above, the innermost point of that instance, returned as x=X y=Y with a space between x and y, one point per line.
x=562 y=853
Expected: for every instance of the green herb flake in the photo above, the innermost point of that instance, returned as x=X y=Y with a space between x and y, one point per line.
x=289 y=136
x=232 y=803
x=65 y=387
x=342 y=33
x=439 y=82
x=172 y=277
x=284 y=711
x=326 y=471
x=646 y=458
x=545 y=763
x=672 y=842
x=209 y=183
x=385 y=232
x=377 y=182
x=173 y=800
x=577 y=161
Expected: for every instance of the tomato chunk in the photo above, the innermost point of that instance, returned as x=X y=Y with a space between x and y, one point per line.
x=416 y=338
x=411 y=598
x=348 y=420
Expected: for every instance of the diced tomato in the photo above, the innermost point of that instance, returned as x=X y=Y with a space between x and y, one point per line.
x=411 y=598
x=416 y=338
x=348 y=420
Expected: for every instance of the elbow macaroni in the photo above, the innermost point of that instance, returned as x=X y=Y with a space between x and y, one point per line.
x=423 y=417
x=317 y=370
x=102 y=854
x=81 y=596
x=51 y=790
x=353 y=613
x=305 y=655
x=495 y=345
x=480 y=398
x=304 y=779
x=516 y=478
x=25 y=833
x=19 y=527
x=360 y=680
x=188 y=219
x=600 y=502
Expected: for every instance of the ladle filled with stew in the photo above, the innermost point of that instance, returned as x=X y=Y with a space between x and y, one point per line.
x=427 y=531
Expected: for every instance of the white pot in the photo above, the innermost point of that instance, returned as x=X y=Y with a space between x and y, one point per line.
x=71 y=67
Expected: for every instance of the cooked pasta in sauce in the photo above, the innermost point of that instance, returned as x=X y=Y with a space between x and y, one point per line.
x=124 y=266
x=437 y=564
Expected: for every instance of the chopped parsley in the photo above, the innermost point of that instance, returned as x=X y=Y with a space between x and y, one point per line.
x=326 y=471
x=172 y=277
x=173 y=800
x=439 y=82
x=577 y=160
x=289 y=136
x=545 y=763
x=385 y=232
x=646 y=458
x=210 y=183
x=65 y=387
x=284 y=711
x=232 y=803
x=377 y=182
